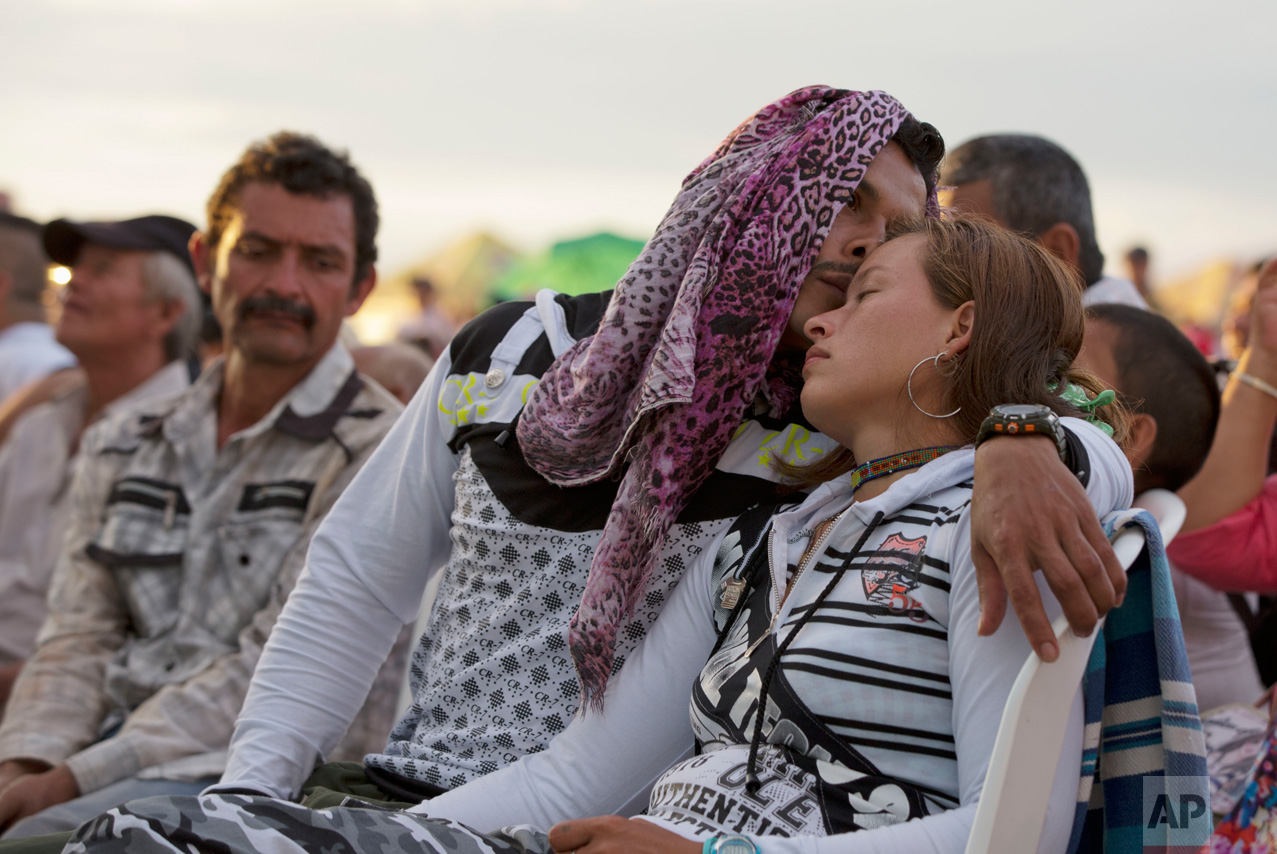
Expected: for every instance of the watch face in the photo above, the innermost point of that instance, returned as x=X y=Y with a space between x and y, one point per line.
x=735 y=845
x=1020 y=410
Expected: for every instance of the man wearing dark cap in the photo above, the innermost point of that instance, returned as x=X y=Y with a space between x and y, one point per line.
x=190 y=516
x=128 y=318
x=131 y=305
x=27 y=349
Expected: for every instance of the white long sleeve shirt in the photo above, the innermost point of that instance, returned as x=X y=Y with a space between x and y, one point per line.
x=491 y=677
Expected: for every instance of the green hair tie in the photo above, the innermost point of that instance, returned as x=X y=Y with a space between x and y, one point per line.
x=1077 y=396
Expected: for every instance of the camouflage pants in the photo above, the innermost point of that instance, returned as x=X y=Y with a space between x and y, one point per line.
x=244 y=824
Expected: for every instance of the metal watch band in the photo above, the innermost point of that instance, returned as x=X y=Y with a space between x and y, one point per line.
x=730 y=844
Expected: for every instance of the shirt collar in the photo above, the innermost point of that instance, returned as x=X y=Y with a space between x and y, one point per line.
x=170 y=380
x=308 y=411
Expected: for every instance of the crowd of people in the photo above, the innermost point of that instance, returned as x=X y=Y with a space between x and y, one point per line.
x=723 y=556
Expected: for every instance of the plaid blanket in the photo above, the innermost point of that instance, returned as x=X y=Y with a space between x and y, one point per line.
x=1144 y=785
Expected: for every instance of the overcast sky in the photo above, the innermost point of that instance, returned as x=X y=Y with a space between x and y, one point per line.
x=551 y=118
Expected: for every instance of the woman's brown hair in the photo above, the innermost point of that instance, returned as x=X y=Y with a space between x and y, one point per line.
x=1028 y=329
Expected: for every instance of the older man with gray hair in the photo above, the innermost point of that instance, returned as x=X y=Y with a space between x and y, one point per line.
x=1029 y=184
x=130 y=316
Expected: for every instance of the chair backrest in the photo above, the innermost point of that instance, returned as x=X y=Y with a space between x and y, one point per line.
x=1167 y=509
x=1013 y=804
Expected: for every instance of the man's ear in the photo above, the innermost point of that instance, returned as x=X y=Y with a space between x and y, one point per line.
x=1062 y=241
x=361 y=290
x=960 y=331
x=1140 y=440
x=202 y=258
x=171 y=311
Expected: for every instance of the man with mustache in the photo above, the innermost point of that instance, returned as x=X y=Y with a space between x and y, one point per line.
x=190 y=517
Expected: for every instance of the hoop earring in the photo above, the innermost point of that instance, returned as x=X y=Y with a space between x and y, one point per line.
x=935 y=360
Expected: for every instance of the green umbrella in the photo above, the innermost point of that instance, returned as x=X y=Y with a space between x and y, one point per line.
x=582 y=266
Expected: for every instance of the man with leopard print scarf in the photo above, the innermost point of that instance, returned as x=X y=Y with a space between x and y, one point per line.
x=575 y=450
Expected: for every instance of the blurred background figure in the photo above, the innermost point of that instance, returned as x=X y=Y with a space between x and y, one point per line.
x=130 y=317
x=1031 y=185
x=27 y=349
x=1171 y=391
x=431 y=329
x=1137 y=270
x=399 y=368
x=1235 y=326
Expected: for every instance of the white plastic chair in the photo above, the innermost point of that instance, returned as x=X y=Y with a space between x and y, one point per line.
x=1167 y=509
x=1013 y=804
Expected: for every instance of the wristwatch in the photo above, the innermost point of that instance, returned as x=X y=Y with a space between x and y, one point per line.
x=730 y=844
x=1024 y=419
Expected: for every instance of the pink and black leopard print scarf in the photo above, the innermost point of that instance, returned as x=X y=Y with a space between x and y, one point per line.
x=687 y=342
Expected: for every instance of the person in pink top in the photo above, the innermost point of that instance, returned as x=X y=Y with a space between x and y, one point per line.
x=1229 y=539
